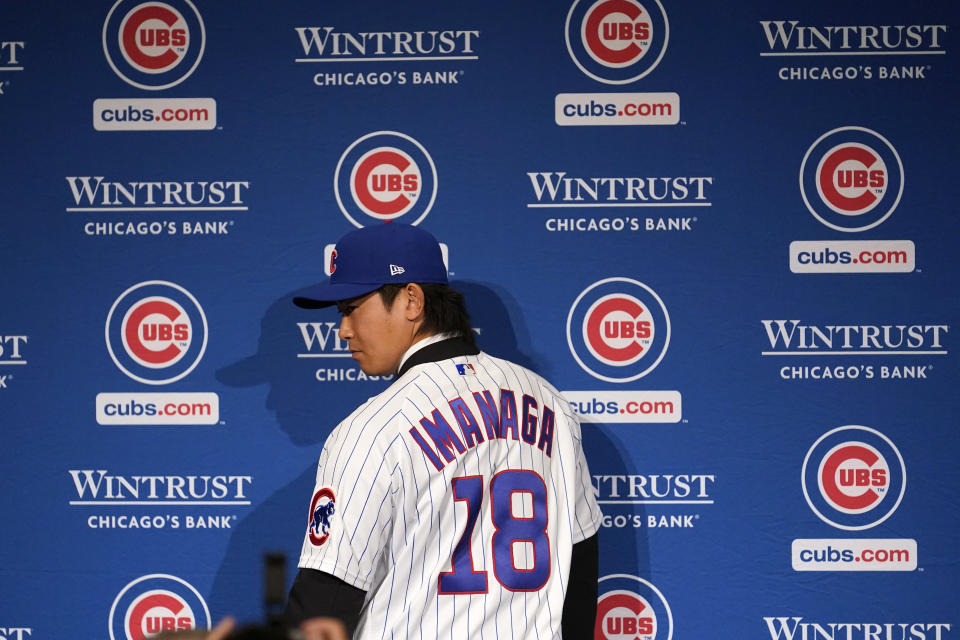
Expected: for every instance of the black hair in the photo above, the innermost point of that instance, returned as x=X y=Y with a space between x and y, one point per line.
x=444 y=310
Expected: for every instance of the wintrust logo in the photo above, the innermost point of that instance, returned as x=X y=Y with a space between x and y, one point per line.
x=11 y=357
x=10 y=60
x=671 y=501
x=556 y=190
x=398 y=50
x=839 y=53
x=792 y=37
x=801 y=342
x=10 y=52
x=149 y=501
x=94 y=196
x=794 y=628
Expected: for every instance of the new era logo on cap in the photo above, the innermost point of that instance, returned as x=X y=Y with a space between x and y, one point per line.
x=395 y=270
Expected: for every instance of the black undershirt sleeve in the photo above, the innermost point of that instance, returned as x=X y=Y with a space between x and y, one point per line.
x=580 y=603
x=317 y=594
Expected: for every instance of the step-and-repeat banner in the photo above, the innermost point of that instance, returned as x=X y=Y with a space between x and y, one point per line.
x=726 y=232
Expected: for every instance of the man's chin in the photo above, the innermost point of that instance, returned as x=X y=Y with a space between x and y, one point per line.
x=367 y=369
x=374 y=371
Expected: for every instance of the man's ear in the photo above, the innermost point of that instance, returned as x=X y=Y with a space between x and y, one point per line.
x=413 y=301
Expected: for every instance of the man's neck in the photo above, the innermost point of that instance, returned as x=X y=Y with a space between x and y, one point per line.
x=420 y=343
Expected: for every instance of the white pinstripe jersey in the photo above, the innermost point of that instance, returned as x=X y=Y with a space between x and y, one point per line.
x=453 y=499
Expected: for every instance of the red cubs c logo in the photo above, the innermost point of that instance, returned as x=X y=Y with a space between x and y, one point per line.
x=154 y=37
x=854 y=477
x=622 y=615
x=157 y=611
x=156 y=332
x=385 y=182
x=851 y=179
x=616 y=33
x=617 y=329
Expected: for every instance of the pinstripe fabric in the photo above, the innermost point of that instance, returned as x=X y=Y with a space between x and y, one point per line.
x=396 y=523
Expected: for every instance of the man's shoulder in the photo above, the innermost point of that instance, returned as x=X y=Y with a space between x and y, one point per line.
x=381 y=408
x=514 y=370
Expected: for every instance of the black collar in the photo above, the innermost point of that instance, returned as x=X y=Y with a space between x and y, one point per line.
x=449 y=348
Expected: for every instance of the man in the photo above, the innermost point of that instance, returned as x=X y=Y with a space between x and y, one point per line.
x=457 y=503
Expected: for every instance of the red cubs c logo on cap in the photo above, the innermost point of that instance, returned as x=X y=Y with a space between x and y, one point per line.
x=333 y=261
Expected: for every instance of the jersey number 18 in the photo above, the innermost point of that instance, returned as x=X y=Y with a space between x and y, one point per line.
x=509 y=531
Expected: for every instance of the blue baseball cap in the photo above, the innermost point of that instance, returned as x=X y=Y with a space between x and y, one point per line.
x=368 y=258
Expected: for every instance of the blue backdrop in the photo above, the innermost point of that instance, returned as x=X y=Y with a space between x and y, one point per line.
x=724 y=230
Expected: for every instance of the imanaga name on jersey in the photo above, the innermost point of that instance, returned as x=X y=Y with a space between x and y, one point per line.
x=500 y=422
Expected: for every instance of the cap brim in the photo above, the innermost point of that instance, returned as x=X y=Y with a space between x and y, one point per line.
x=324 y=295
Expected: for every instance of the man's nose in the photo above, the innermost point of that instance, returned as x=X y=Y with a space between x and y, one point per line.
x=345 y=332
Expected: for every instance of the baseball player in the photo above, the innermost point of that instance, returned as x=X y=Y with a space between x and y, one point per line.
x=457 y=503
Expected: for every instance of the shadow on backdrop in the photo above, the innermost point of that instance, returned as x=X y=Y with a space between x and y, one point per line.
x=307 y=410
x=622 y=549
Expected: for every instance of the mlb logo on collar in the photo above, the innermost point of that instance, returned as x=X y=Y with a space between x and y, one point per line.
x=466 y=369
